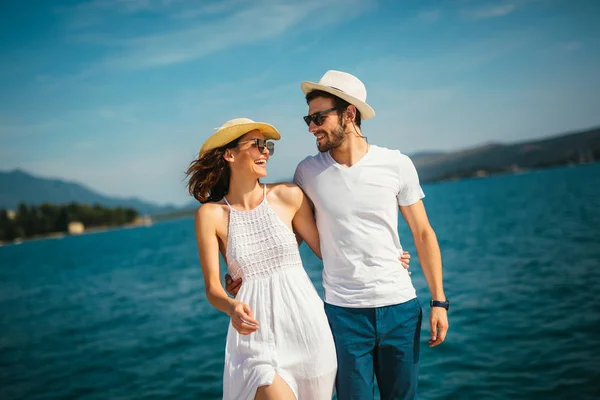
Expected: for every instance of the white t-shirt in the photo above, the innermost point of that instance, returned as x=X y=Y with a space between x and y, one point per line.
x=356 y=210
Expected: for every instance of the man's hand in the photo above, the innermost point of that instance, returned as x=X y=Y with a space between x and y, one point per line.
x=405 y=260
x=438 y=325
x=232 y=286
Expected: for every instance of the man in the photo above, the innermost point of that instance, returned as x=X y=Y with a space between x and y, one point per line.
x=356 y=189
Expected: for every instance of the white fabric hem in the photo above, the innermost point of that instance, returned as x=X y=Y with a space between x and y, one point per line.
x=370 y=305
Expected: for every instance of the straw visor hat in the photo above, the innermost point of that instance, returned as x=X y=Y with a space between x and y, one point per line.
x=346 y=87
x=235 y=128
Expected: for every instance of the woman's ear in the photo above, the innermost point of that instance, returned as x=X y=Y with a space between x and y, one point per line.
x=228 y=155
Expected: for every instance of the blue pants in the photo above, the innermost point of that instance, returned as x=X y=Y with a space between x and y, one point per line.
x=383 y=341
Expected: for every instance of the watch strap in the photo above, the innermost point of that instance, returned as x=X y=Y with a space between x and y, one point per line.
x=437 y=303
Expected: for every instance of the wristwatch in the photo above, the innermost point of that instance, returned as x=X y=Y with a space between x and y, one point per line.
x=437 y=303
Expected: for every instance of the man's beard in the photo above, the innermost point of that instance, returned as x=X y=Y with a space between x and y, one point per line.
x=334 y=139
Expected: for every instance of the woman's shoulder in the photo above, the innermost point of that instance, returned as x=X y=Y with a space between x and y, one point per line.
x=211 y=211
x=287 y=192
x=284 y=188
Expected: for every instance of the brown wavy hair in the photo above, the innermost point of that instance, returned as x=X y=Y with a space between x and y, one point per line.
x=208 y=175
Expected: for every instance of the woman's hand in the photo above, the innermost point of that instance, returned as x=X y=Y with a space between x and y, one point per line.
x=242 y=318
x=405 y=260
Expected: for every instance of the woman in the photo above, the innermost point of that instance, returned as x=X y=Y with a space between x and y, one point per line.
x=279 y=345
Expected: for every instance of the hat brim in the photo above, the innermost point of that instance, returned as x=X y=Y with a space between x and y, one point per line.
x=366 y=111
x=229 y=134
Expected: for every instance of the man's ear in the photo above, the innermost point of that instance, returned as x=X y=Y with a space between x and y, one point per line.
x=228 y=155
x=351 y=113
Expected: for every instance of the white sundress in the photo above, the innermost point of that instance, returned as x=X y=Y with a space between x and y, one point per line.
x=294 y=339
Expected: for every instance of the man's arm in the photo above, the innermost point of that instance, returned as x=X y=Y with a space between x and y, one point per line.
x=428 y=251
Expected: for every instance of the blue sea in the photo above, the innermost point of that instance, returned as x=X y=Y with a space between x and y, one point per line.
x=122 y=314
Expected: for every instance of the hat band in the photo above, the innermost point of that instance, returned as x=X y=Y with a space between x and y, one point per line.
x=333 y=87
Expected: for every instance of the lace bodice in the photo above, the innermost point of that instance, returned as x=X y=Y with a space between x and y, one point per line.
x=259 y=243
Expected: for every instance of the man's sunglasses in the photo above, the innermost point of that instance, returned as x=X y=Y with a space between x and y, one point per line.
x=318 y=118
x=261 y=144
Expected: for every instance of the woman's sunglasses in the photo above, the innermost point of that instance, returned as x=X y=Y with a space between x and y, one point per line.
x=261 y=144
x=318 y=118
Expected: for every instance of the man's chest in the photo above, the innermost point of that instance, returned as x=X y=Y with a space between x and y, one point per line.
x=340 y=192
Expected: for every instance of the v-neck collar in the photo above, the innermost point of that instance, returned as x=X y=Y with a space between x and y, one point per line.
x=361 y=161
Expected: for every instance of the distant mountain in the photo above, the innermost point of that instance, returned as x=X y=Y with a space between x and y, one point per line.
x=570 y=148
x=18 y=186
x=573 y=148
x=424 y=154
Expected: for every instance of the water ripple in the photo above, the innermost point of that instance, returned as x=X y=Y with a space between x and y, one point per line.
x=122 y=314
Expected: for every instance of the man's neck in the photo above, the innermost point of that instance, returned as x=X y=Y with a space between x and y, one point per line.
x=352 y=150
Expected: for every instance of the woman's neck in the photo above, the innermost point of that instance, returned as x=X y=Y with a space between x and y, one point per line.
x=245 y=193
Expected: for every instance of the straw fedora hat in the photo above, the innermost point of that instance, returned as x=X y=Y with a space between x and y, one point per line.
x=346 y=87
x=234 y=128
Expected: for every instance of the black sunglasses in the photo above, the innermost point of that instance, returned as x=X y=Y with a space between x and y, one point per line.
x=318 y=118
x=261 y=144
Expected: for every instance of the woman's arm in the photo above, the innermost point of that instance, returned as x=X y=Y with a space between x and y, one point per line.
x=242 y=317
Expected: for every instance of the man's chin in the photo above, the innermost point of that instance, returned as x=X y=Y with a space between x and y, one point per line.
x=323 y=147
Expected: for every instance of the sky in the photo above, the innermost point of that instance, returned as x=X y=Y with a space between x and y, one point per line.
x=119 y=95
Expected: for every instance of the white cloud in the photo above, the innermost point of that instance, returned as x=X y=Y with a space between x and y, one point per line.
x=104 y=12
x=490 y=11
x=217 y=7
x=21 y=129
x=570 y=46
x=448 y=65
x=237 y=23
x=122 y=114
x=124 y=6
x=429 y=16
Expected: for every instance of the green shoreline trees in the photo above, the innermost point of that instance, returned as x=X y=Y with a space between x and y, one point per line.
x=30 y=221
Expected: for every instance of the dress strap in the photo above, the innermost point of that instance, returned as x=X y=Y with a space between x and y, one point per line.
x=226 y=202
x=264 y=192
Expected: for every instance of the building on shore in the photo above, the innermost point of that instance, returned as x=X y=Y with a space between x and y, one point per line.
x=75 y=228
x=145 y=220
